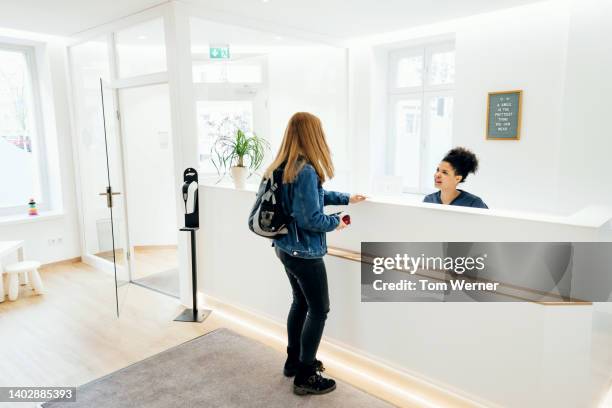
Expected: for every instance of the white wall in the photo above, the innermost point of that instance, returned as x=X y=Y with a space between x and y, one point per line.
x=52 y=70
x=515 y=49
x=586 y=138
x=311 y=79
x=521 y=48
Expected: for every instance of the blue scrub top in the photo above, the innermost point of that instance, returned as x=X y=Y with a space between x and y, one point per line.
x=464 y=199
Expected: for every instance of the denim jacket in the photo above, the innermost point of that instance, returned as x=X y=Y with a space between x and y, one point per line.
x=304 y=200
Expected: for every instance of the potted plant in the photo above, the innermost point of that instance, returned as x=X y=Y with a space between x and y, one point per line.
x=241 y=152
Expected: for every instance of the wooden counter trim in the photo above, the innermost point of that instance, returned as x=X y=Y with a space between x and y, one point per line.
x=356 y=257
x=344 y=253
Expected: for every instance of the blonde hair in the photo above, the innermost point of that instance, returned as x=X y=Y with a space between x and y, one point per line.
x=304 y=141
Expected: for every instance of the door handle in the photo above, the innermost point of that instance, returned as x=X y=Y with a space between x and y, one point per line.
x=109 y=193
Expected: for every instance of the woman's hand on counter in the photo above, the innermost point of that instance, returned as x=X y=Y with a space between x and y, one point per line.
x=357 y=198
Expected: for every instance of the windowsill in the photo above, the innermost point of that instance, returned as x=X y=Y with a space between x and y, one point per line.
x=228 y=185
x=25 y=218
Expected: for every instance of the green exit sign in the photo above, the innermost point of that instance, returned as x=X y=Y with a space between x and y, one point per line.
x=219 y=52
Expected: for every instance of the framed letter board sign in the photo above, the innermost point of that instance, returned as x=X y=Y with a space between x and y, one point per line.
x=504 y=115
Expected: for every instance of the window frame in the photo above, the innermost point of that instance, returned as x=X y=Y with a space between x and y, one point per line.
x=38 y=139
x=425 y=93
x=394 y=58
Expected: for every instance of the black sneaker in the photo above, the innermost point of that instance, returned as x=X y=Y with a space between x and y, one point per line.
x=309 y=381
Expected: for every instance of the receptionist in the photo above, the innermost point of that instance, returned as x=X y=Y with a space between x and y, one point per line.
x=453 y=170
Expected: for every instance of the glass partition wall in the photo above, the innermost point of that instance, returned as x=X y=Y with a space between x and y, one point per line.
x=256 y=82
x=261 y=82
x=125 y=161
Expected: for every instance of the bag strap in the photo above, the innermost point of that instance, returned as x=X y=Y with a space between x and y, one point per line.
x=281 y=168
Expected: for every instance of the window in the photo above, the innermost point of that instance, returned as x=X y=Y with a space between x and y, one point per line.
x=421 y=83
x=230 y=94
x=216 y=118
x=22 y=172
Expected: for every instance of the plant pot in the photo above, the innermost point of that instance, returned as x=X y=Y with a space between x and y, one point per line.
x=239 y=175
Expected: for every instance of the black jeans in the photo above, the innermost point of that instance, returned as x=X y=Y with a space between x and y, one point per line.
x=308 y=312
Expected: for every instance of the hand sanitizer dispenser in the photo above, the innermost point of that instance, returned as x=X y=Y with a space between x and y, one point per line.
x=190 y=197
x=192 y=224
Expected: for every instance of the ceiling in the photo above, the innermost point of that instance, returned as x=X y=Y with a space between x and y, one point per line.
x=335 y=18
x=204 y=32
x=66 y=17
x=350 y=18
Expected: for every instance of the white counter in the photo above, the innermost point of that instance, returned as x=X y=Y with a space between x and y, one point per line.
x=410 y=219
x=511 y=354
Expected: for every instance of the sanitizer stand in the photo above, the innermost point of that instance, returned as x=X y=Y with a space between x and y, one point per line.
x=192 y=224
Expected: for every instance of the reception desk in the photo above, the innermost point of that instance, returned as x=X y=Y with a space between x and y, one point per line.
x=500 y=354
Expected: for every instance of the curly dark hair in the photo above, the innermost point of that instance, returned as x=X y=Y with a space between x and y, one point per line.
x=463 y=161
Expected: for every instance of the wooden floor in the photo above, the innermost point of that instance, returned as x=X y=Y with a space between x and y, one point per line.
x=148 y=260
x=71 y=334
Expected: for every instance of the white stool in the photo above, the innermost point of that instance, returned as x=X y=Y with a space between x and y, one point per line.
x=13 y=271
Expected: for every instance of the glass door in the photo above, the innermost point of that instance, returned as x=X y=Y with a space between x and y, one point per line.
x=97 y=137
x=113 y=245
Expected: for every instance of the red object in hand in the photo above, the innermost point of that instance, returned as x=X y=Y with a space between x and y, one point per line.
x=346 y=219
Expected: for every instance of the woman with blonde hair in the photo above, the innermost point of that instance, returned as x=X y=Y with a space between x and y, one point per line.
x=305 y=159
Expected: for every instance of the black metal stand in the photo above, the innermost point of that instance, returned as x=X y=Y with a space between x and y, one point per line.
x=193 y=314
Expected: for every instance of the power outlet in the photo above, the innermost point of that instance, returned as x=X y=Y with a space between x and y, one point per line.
x=55 y=241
